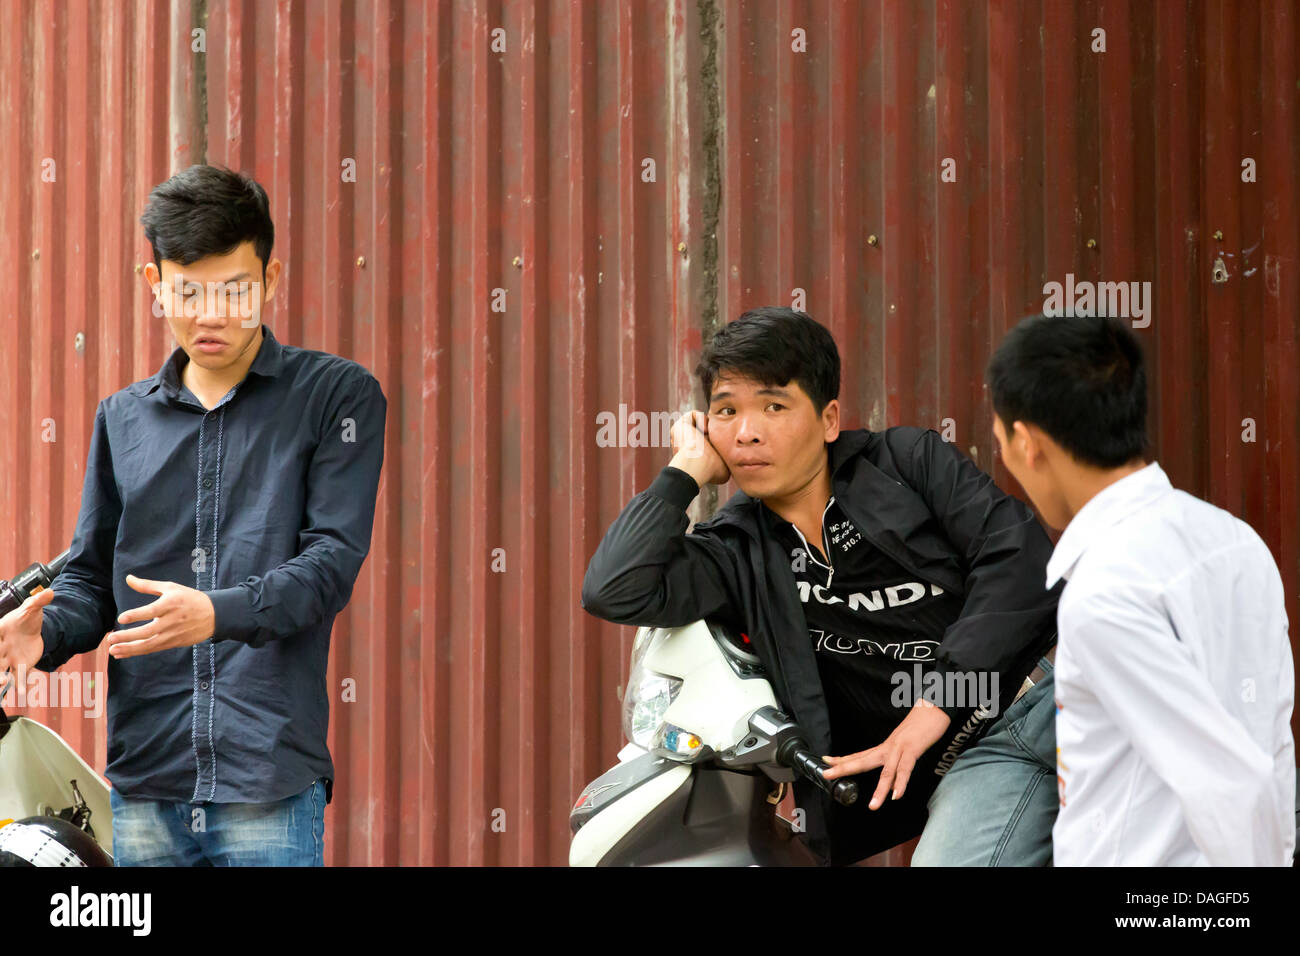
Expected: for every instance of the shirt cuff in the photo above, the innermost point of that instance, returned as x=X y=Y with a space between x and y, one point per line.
x=51 y=631
x=674 y=486
x=232 y=614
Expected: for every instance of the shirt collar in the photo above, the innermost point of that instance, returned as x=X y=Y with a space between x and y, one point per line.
x=1103 y=511
x=845 y=446
x=268 y=362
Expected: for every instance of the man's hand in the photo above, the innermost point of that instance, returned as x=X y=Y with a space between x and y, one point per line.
x=919 y=731
x=694 y=454
x=21 y=644
x=180 y=617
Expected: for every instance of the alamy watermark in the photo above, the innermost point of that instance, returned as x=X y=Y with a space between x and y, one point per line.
x=1123 y=300
x=82 y=690
x=191 y=300
x=637 y=429
x=950 y=689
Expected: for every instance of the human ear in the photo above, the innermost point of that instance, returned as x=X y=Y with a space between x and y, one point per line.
x=272 y=279
x=831 y=419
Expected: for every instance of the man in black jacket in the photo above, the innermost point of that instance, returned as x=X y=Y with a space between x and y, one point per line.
x=893 y=592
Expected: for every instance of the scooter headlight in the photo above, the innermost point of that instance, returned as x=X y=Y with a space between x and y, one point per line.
x=645 y=703
x=648 y=697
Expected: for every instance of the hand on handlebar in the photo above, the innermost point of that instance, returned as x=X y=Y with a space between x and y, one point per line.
x=897 y=755
x=21 y=644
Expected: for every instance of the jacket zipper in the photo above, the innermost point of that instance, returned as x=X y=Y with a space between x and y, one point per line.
x=830 y=567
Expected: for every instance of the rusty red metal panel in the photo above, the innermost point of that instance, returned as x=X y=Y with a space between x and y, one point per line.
x=1278 y=199
x=428 y=505
x=961 y=224
x=1177 y=244
x=506 y=268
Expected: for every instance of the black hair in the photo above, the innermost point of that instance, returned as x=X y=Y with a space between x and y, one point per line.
x=1078 y=378
x=204 y=211
x=774 y=346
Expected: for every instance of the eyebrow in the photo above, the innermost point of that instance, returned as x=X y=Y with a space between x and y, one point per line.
x=721 y=396
x=236 y=278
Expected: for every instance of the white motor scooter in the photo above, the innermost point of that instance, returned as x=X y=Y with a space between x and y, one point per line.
x=51 y=801
x=707 y=742
x=709 y=756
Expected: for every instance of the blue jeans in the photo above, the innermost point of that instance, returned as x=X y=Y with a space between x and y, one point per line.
x=997 y=804
x=289 y=832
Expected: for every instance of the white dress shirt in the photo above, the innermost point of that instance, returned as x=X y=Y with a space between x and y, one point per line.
x=1174 y=686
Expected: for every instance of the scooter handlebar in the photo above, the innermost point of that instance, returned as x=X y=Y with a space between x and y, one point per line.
x=28 y=581
x=790 y=749
x=844 y=792
x=23 y=585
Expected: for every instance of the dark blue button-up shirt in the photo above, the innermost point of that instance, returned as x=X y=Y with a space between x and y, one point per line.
x=266 y=504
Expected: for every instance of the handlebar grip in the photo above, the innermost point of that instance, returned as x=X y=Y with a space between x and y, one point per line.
x=843 y=792
x=59 y=563
x=33 y=578
x=10 y=599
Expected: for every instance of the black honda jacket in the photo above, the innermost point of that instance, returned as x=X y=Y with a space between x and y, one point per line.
x=912 y=495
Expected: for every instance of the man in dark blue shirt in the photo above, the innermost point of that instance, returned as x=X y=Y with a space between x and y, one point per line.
x=226 y=512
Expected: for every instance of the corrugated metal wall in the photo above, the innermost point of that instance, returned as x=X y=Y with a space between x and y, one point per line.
x=509 y=169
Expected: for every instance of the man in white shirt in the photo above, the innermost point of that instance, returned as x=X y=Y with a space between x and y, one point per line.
x=1174 y=674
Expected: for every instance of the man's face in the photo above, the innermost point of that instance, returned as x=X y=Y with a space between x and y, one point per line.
x=770 y=436
x=1024 y=454
x=214 y=305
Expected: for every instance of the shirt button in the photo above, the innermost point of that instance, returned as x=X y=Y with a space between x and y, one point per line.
x=203 y=685
x=207 y=482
